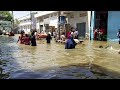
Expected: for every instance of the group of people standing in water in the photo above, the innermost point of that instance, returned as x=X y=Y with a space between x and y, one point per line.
x=31 y=39
x=70 y=43
x=27 y=39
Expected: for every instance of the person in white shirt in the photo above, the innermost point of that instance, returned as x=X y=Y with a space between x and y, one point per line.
x=63 y=37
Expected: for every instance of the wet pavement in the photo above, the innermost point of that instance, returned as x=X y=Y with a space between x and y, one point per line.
x=52 y=61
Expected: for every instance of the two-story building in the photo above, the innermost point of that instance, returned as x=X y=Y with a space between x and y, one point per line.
x=76 y=19
x=25 y=24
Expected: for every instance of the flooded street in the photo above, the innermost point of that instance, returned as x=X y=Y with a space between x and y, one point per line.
x=52 y=61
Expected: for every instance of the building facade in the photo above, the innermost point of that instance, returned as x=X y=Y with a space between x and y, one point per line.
x=76 y=19
x=25 y=24
x=111 y=22
x=80 y=20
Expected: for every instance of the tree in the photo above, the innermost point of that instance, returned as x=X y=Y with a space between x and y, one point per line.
x=16 y=22
x=8 y=16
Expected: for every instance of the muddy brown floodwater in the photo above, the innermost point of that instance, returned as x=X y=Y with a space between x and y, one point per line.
x=52 y=61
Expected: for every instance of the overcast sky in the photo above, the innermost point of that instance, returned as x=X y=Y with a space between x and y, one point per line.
x=18 y=14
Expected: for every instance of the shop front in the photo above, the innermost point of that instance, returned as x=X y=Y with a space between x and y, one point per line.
x=80 y=20
x=99 y=25
x=107 y=20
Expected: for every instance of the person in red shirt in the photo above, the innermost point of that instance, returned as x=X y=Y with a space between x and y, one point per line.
x=68 y=34
x=21 y=38
x=95 y=33
x=27 y=40
x=101 y=33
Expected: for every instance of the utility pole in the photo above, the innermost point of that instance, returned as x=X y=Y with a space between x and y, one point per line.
x=13 y=20
x=59 y=12
x=31 y=21
x=33 y=25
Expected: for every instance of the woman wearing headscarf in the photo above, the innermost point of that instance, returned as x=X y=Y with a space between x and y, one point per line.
x=70 y=44
x=48 y=38
x=33 y=39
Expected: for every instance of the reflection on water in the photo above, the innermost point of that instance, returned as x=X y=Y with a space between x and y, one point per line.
x=52 y=61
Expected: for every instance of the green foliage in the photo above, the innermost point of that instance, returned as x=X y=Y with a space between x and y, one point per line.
x=8 y=16
x=16 y=22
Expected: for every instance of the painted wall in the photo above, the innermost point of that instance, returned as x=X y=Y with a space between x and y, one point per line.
x=53 y=21
x=37 y=26
x=78 y=19
x=113 y=24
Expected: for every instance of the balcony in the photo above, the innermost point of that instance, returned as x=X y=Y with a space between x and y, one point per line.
x=42 y=13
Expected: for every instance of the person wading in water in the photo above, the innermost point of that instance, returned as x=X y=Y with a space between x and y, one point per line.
x=48 y=38
x=27 y=40
x=21 y=38
x=33 y=39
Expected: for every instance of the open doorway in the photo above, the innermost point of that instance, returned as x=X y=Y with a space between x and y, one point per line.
x=100 y=31
x=81 y=29
x=41 y=28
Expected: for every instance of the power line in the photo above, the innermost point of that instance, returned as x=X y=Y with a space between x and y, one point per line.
x=23 y=16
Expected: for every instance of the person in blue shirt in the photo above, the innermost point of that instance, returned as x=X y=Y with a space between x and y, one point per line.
x=70 y=44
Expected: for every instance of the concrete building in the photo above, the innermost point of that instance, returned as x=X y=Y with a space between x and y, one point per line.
x=25 y=24
x=42 y=18
x=77 y=19
x=46 y=18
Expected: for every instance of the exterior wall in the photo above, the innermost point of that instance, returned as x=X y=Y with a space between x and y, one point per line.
x=53 y=21
x=41 y=13
x=25 y=27
x=78 y=19
x=113 y=24
x=38 y=26
x=25 y=23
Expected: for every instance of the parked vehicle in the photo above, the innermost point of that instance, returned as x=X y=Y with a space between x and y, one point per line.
x=39 y=35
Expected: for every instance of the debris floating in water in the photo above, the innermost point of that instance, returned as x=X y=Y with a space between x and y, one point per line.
x=100 y=46
x=119 y=52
